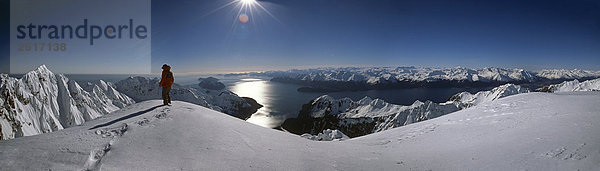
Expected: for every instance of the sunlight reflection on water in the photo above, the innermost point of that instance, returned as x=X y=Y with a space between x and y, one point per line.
x=259 y=90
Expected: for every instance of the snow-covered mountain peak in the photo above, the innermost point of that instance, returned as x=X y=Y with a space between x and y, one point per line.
x=418 y=103
x=575 y=85
x=42 y=102
x=365 y=100
x=467 y=99
x=322 y=98
x=101 y=84
x=42 y=70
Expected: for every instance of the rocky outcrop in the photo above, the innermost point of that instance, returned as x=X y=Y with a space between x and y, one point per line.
x=211 y=83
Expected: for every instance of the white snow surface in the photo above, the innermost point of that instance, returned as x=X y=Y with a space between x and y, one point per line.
x=42 y=102
x=530 y=131
x=575 y=85
x=327 y=135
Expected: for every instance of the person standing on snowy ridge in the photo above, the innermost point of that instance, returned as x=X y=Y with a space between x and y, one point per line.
x=166 y=81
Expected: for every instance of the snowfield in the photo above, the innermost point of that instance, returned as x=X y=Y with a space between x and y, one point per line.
x=530 y=131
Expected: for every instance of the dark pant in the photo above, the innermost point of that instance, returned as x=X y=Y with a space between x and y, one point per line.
x=165 y=95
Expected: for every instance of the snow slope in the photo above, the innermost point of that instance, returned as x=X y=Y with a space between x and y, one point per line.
x=575 y=85
x=42 y=102
x=531 y=131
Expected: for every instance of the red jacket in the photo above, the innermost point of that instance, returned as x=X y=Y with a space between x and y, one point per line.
x=166 y=80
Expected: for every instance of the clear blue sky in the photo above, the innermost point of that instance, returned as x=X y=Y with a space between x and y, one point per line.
x=193 y=37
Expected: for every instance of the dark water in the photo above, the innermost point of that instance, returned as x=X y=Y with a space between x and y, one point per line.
x=283 y=101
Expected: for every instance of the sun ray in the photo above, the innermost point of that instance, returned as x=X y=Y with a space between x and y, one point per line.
x=267 y=11
x=219 y=8
x=252 y=16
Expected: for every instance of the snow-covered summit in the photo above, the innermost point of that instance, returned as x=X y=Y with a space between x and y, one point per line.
x=42 y=102
x=143 y=88
x=467 y=99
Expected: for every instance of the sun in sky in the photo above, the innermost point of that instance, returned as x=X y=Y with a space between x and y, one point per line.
x=248 y=1
x=246 y=6
x=246 y=10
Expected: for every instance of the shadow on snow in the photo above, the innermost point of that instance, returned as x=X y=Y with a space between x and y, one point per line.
x=125 y=117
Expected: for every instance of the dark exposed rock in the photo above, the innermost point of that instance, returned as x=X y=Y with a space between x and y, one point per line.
x=211 y=83
x=246 y=112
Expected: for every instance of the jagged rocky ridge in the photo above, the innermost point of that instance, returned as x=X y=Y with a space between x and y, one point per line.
x=366 y=116
x=364 y=78
x=143 y=88
x=575 y=85
x=42 y=102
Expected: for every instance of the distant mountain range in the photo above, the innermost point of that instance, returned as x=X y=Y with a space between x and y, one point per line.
x=364 y=78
